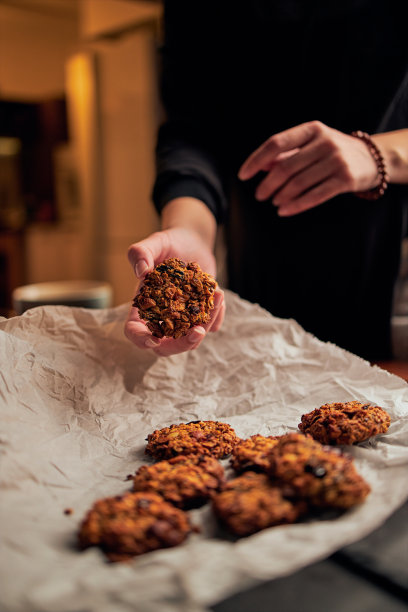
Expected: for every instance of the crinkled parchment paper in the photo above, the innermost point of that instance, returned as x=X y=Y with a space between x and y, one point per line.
x=76 y=402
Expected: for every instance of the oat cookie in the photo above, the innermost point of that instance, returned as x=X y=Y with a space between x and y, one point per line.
x=320 y=475
x=345 y=423
x=197 y=437
x=186 y=480
x=251 y=502
x=132 y=524
x=253 y=453
x=174 y=297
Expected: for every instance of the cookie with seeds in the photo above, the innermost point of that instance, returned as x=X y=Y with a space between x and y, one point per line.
x=253 y=453
x=345 y=422
x=187 y=481
x=251 y=502
x=132 y=524
x=322 y=476
x=174 y=297
x=196 y=437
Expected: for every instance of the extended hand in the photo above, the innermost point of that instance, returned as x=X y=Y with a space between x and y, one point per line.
x=309 y=164
x=143 y=256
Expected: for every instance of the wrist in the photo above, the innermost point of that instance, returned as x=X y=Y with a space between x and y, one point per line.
x=190 y=214
x=380 y=181
x=393 y=146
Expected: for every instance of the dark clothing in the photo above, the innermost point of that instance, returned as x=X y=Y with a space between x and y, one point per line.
x=233 y=74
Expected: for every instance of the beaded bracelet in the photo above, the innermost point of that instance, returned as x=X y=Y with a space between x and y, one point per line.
x=377 y=192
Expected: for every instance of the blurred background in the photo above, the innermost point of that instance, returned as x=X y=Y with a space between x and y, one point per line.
x=78 y=116
x=79 y=111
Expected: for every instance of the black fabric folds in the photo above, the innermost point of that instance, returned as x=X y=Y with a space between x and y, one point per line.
x=234 y=73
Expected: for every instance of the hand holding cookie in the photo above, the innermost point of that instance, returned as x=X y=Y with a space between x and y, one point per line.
x=177 y=302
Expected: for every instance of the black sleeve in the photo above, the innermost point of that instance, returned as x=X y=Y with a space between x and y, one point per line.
x=189 y=146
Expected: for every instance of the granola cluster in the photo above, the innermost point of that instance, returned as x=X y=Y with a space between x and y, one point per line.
x=174 y=297
x=200 y=437
x=345 y=423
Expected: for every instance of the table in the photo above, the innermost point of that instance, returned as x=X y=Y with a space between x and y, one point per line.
x=368 y=576
x=399 y=368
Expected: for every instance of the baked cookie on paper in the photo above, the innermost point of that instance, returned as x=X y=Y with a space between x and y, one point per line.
x=345 y=423
x=197 y=437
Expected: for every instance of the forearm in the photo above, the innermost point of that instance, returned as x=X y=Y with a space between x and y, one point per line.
x=190 y=213
x=394 y=147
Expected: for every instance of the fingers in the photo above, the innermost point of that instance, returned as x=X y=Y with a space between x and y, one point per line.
x=218 y=319
x=282 y=172
x=143 y=255
x=308 y=165
x=319 y=194
x=218 y=312
x=290 y=139
x=189 y=342
x=304 y=181
x=137 y=332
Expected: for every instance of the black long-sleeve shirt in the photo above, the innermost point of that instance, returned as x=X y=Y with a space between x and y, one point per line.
x=233 y=74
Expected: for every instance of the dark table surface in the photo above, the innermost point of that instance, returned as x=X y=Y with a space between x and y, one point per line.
x=370 y=575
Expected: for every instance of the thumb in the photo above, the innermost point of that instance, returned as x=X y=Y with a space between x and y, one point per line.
x=144 y=255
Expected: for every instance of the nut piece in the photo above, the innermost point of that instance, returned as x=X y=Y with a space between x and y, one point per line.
x=197 y=437
x=322 y=476
x=174 y=297
x=186 y=481
x=253 y=453
x=251 y=502
x=132 y=524
x=345 y=423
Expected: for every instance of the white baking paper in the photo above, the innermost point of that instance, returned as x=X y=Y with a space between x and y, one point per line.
x=77 y=400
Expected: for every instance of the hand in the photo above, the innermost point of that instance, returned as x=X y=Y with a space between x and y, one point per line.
x=144 y=256
x=309 y=164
